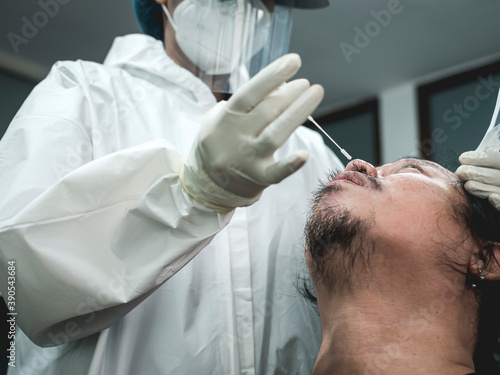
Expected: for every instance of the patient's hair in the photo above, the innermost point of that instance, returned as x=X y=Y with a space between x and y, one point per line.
x=483 y=223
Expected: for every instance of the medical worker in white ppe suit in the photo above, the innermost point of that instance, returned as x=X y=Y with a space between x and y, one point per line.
x=119 y=185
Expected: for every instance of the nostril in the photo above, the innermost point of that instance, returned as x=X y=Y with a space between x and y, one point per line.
x=358 y=167
x=362 y=166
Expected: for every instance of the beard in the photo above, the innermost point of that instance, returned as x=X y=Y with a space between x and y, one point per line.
x=337 y=244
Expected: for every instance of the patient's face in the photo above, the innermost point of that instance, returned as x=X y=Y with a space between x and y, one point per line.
x=396 y=216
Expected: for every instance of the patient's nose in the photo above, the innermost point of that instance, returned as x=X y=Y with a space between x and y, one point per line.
x=358 y=165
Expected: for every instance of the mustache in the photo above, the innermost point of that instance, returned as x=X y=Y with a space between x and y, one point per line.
x=325 y=188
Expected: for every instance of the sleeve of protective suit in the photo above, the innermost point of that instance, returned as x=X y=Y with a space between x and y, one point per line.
x=88 y=247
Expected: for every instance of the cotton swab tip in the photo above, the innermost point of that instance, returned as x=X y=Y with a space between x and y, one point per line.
x=344 y=152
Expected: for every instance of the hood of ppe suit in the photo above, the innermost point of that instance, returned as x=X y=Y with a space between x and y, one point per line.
x=138 y=54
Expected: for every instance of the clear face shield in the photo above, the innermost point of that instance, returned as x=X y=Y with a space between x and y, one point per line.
x=226 y=42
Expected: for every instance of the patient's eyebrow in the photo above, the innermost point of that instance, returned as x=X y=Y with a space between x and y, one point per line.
x=431 y=164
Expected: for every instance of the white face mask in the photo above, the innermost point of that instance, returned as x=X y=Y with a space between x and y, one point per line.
x=220 y=36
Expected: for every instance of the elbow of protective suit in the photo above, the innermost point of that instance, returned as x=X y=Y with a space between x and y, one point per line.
x=81 y=326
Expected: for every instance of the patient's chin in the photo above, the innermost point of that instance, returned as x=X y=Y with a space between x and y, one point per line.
x=336 y=244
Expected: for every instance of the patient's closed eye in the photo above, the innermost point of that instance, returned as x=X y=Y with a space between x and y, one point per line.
x=409 y=166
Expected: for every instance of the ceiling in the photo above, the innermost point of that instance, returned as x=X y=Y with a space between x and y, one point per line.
x=420 y=38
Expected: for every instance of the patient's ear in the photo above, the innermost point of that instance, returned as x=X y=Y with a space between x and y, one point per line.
x=489 y=265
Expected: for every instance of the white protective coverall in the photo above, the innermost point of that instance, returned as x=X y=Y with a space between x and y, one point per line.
x=94 y=215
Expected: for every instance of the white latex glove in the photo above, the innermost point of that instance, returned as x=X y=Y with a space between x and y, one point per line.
x=482 y=172
x=232 y=161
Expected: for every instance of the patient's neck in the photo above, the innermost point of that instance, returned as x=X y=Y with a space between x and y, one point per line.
x=397 y=333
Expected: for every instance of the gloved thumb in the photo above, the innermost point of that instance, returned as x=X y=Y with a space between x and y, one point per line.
x=283 y=168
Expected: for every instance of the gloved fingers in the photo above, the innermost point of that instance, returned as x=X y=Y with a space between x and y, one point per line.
x=278 y=131
x=494 y=199
x=481 y=190
x=481 y=159
x=488 y=176
x=264 y=82
x=283 y=168
x=276 y=103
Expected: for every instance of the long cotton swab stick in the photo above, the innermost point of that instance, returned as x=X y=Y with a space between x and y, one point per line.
x=344 y=152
